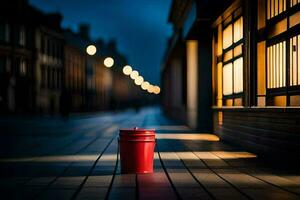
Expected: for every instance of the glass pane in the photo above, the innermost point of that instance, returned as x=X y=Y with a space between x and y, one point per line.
x=227 y=36
x=238 y=29
x=298 y=57
x=276 y=66
x=227 y=79
x=268 y=68
x=238 y=75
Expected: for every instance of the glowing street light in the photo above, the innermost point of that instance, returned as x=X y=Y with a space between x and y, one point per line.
x=139 y=80
x=145 y=85
x=156 y=90
x=91 y=50
x=109 y=62
x=134 y=74
x=127 y=70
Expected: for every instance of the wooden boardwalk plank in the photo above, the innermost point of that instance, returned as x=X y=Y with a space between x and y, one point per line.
x=185 y=184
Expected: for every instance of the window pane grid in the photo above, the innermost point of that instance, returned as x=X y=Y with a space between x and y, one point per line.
x=238 y=29
x=294 y=60
x=238 y=73
x=227 y=36
x=275 y=7
x=227 y=79
x=294 y=2
x=276 y=66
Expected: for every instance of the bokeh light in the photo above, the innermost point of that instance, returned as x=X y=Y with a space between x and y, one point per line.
x=91 y=50
x=145 y=85
x=150 y=88
x=127 y=70
x=109 y=62
x=156 y=90
x=139 y=80
x=134 y=74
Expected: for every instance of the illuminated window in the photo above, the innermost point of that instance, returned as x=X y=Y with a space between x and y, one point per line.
x=294 y=2
x=294 y=60
x=227 y=79
x=227 y=37
x=238 y=74
x=232 y=56
x=276 y=65
x=238 y=29
x=275 y=7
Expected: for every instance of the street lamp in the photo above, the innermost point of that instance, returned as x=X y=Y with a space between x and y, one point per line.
x=109 y=62
x=145 y=85
x=91 y=50
x=127 y=70
x=134 y=74
x=156 y=90
x=139 y=80
x=150 y=88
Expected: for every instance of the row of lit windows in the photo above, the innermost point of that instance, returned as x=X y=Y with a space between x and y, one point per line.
x=5 y=65
x=276 y=64
x=5 y=34
x=275 y=7
x=294 y=2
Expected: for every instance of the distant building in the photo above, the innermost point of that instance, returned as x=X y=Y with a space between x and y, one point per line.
x=49 y=64
x=232 y=68
x=124 y=92
x=87 y=80
x=44 y=69
x=16 y=58
x=75 y=69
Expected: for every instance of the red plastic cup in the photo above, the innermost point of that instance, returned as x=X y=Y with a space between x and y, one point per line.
x=137 y=150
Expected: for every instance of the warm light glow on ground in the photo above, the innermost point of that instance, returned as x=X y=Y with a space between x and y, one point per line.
x=156 y=90
x=109 y=62
x=134 y=74
x=145 y=85
x=127 y=70
x=91 y=50
x=63 y=158
x=139 y=80
x=188 y=136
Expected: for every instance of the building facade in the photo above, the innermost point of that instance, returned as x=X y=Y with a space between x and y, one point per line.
x=17 y=58
x=49 y=64
x=87 y=80
x=252 y=58
x=44 y=69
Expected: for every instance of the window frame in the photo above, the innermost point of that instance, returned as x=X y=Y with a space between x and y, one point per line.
x=225 y=24
x=286 y=35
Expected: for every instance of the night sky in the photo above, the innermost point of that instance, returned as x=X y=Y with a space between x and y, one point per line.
x=140 y=27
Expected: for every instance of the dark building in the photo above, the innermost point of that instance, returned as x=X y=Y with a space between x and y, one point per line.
x=31 y=58
x=236 y=64
x=87 y=80
x=124 y=92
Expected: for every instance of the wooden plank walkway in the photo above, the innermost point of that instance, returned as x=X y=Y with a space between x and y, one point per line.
x=188 y=165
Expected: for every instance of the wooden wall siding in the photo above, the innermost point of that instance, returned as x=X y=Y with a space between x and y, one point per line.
x=275 y=134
